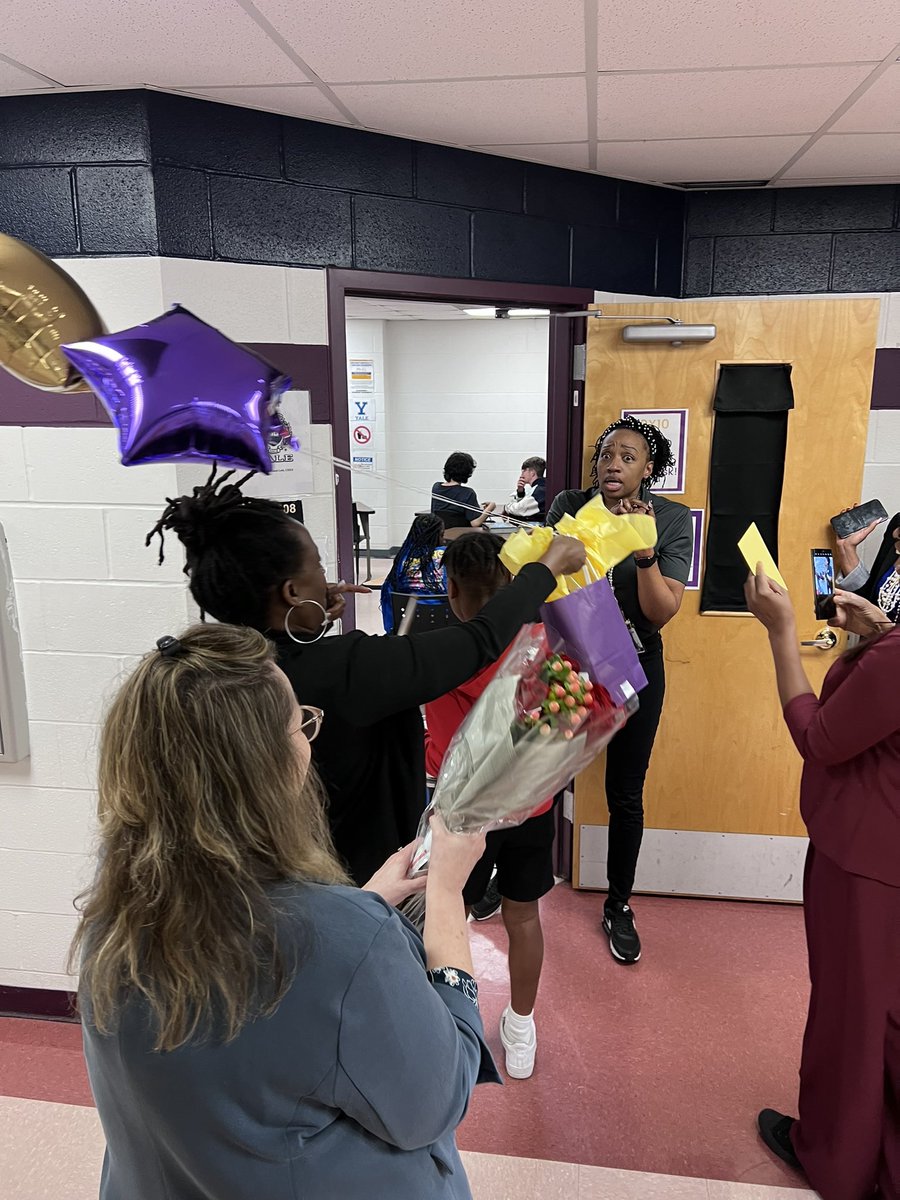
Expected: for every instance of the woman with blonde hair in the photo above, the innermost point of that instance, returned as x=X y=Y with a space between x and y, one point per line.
x=253 y=1026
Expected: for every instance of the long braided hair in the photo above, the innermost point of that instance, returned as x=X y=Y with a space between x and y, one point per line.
x=658 y=445
x=239 y=548
x=425 y=537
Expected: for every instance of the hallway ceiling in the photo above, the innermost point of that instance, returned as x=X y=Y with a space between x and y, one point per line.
x=780 y=92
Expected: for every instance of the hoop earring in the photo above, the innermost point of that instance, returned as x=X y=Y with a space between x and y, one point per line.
x=326 y=622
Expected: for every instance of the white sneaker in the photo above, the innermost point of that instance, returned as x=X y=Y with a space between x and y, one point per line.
x=520 y=1053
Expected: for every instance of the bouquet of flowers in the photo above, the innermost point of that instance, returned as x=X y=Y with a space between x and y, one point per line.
x=538 y=723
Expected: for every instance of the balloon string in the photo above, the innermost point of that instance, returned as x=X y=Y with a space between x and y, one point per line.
x=347 y=466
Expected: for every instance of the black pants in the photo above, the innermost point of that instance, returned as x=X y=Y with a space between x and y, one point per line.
x=627 y=760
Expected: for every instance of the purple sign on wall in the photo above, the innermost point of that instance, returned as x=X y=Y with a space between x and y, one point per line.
x=693 y=583
x=673 y=422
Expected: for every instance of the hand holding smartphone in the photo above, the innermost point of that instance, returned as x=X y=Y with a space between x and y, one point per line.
x=854 y=519
x=823 y=583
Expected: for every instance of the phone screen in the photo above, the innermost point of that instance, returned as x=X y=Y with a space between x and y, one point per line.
x=823 y=572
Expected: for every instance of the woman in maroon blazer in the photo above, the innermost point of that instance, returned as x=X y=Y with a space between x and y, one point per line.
x=847 y=1137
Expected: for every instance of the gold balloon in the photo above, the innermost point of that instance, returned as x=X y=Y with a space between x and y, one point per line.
x=41 y=308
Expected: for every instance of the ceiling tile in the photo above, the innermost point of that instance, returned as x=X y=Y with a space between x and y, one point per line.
x=164 y=43
x=696 y=161
x=294 y=100
x=701 y=104
x=850 y=156
x=877 y=110
x=501 y=111
x=643 y=35
x=14 y=79
x=573 y=155
x=393 y=40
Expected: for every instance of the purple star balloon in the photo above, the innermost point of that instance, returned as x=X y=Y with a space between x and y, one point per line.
x=178 y=390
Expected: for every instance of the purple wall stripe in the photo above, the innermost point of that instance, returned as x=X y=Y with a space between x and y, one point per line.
x=886 y=380
x=310 y=369
x=37 y=1002
x=20 y=404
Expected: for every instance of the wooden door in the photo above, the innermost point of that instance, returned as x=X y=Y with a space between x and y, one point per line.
x=723 y=761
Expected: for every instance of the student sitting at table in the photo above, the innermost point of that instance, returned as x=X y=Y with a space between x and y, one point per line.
x=456 y=503
x=417 y=567
x=529 y=501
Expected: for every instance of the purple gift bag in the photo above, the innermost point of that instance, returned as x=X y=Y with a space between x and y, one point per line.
x=589 y=625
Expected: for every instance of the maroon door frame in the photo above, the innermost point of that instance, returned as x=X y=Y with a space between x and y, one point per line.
x=564 y=420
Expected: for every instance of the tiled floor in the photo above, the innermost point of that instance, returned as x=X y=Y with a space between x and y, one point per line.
x=660 y=1067
x=53 y=1152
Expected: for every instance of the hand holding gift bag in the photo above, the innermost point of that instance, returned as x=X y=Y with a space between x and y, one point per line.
x=582 y=616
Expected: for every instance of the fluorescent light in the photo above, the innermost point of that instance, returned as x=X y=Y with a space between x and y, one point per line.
x=507 y=312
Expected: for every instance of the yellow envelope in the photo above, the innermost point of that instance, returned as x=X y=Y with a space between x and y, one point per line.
x=755 y=551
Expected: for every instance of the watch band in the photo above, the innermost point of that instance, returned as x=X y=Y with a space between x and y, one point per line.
x=644 y=563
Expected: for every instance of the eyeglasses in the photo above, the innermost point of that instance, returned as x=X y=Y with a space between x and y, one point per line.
x=310 y=721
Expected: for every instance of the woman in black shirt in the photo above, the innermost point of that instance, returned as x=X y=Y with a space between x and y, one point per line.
x=454 y=502
x=250 y=564
x=629 y=457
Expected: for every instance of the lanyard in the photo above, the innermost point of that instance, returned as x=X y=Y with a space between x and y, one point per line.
x=635 y=636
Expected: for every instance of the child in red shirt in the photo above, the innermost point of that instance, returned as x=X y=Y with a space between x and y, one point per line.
x=523 y=855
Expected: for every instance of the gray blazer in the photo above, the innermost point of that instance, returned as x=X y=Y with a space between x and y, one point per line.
x=352 y=1089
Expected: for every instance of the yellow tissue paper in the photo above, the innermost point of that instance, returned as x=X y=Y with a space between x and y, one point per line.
x=608 y=539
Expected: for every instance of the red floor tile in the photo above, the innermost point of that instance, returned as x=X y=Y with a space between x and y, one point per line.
x=42 y=1060
x=658 y=1067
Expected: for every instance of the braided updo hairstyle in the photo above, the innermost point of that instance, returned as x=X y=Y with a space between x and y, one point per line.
x=239 y=548
x=659 y=446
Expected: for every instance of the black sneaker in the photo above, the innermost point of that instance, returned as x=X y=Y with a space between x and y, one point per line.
x=775 y=1131
x=489 y=904
x=624 y=943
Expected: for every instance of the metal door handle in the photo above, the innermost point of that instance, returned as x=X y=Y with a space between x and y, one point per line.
x=826 y=639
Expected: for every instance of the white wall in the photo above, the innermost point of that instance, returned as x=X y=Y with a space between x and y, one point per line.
x=365 y=339
x=91 y=598
x=882 y=475
x=479 y=386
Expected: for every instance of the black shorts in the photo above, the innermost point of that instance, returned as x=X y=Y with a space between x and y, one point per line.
x=523 y=856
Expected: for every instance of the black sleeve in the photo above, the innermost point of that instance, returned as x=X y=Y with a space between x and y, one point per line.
x=558 y=509
x=386 y=675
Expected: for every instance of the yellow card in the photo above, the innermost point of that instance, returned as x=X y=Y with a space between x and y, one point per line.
x=755 y=551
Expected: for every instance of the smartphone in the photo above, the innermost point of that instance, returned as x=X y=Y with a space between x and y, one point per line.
x=823 y=583
x=858 y=518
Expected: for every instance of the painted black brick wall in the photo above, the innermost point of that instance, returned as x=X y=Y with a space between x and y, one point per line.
x=136 y=172
x=819 y=239
x=148 y=173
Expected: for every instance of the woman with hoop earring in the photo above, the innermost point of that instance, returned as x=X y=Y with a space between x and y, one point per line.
x=251 y=564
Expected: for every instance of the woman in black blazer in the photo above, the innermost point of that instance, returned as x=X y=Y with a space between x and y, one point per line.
x=881 y=585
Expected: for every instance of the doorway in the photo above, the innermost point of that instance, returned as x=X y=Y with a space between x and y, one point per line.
x=564 y=424
x=721 y=794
